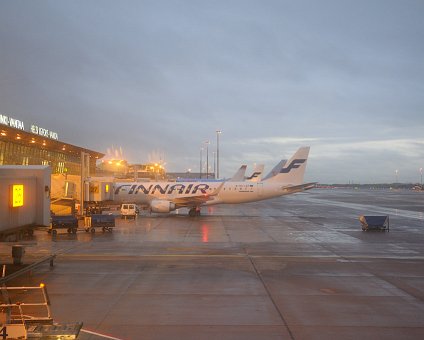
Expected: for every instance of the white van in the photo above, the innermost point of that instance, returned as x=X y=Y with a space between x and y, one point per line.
x=129 y=210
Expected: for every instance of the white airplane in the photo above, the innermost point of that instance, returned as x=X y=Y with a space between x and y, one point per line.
x=164 y=197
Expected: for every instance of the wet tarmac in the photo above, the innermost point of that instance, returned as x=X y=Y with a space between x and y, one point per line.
x=297 y=267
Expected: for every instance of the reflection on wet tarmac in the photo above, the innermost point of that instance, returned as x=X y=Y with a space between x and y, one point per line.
x=364 y=209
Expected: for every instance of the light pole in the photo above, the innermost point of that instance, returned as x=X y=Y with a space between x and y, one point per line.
x=396 y=172
x=421 y=173
x=218 y=132
x=200 y=167
x=214 y=164
x=207 y=158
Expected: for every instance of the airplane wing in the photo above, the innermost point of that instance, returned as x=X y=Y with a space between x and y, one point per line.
x=299 y=188
x=188 y=201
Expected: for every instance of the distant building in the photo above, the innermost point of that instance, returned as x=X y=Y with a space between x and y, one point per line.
x=122 y=170
x=112 y=168
x=22 y=144
x=153 y=171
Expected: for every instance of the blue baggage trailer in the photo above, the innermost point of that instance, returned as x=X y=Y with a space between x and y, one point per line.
x=106 y=222
x=380 y=223
x=69 y=222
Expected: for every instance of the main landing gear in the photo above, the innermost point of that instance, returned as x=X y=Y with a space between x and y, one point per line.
x=194 y=212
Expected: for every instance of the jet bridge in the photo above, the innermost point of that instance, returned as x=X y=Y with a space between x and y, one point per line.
x=98 y=190
x=97 y=193
x=24 y=199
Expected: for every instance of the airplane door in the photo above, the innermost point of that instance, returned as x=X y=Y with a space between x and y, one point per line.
x=260 y=188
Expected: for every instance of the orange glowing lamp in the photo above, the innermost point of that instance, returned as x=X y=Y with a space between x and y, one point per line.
x=17 y=195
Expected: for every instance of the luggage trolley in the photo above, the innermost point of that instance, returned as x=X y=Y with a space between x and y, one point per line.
x=69 y=222
x=380 y=223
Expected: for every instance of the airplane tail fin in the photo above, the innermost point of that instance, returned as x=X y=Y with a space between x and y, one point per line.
x=276 y=169
x=256 y=176
x=293 y=171
x=239 y=175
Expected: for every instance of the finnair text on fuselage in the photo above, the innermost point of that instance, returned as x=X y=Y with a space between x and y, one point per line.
x=167 y=189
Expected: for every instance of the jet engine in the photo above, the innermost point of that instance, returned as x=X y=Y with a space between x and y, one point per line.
x=162 y=206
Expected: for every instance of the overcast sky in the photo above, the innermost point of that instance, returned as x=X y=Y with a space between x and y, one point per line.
x=158 y=78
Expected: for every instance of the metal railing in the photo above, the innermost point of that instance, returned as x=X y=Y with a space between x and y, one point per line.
x=30 y=267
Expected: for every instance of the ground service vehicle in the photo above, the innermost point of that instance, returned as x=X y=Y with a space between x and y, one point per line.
x=129 y=210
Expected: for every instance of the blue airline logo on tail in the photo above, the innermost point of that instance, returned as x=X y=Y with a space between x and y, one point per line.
x=254 y=175
x=295 y=163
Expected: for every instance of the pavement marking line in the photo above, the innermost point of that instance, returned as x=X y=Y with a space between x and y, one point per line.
x=258 y=273
x=348 y=258
x=99 y=334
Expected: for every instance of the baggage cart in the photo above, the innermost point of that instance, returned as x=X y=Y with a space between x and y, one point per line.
x=69 y=222
x=379 y=223
x=106 y=222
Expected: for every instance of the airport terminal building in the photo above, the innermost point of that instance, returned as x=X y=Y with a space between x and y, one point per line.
x=23 y=144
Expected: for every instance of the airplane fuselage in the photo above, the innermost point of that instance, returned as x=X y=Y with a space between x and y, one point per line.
x=231 y=192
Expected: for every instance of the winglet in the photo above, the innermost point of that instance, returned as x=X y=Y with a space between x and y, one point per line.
x=217 y=190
